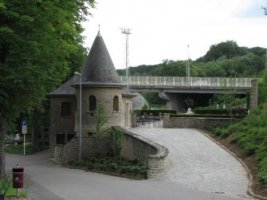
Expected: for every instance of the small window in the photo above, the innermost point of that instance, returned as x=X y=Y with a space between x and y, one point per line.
x=116 y=103
x=66 y=109
x=70 y=136
x=60 y=139
x=92 y=103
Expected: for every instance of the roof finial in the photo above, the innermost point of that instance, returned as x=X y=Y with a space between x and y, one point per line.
x=99 y=26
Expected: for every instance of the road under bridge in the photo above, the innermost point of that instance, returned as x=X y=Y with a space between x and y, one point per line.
x=201 y=89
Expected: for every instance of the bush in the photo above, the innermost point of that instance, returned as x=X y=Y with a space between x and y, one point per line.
x=153 y=112
x=115 y=166
x=262 y=175
x=18 y=149
x=251 y=135
x=212 y=111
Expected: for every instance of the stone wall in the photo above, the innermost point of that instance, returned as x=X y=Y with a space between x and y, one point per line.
x=60 y=124
x=253 y=103
x=134 y=147
x=151 y=154
x=104 y=96
x=194 y=122
x=91 y=147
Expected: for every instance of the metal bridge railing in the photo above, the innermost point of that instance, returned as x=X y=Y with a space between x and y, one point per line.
x=188 y=82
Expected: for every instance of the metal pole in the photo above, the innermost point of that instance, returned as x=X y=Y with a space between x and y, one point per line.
x=127 y=32
x=80 y=122
x=24 y=145
x=265 y=13
x=80 y=136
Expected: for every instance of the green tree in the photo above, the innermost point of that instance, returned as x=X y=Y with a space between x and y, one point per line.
x=100 y=120
x=38 y=40
x=228 y=49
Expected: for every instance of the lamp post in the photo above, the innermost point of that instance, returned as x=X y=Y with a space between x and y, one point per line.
x=80 y=121
x=265 y=13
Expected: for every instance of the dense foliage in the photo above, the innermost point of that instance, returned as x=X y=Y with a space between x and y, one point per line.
x=225 y=59
x=153 y=112
x=233 y=112
x=40 y=45
x=121 y=167
x=250 y=134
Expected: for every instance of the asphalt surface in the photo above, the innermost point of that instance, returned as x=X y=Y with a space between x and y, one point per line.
x=46 y=181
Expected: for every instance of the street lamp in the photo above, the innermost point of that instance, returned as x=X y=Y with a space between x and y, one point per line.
x=80 y=122
x=265 y=13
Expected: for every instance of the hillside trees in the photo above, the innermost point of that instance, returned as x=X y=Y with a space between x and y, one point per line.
x=225 y=59
x=38 y=40
x=229 y=49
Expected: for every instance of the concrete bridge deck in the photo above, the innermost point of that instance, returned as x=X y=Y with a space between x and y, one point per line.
x=188 y=85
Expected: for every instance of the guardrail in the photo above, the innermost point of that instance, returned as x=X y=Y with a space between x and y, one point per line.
x=188 y=82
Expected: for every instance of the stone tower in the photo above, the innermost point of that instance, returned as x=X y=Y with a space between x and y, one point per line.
x=100 y=87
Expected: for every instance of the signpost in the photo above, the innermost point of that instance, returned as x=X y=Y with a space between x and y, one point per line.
x=24 y=126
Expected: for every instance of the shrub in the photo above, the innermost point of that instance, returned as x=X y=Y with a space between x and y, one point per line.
x=251 y=135
x=109 y=164
x=249 y=149
x=153 y=112
x=212 y=111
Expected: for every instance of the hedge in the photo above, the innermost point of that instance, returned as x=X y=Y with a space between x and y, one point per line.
x=209 y=111
x=153 y=112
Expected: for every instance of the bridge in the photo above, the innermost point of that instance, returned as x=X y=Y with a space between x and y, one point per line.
x=188 y=85
x=175 y=89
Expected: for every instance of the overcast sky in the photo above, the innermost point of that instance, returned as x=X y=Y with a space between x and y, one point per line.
x=162 y=29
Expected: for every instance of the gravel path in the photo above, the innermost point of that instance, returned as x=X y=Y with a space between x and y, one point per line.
x=197 y=162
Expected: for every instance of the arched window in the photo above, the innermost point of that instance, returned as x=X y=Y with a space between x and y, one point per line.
x=116 y=103
x=92 y=103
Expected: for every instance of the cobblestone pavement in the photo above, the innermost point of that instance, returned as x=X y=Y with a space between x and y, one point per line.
x=197 y=162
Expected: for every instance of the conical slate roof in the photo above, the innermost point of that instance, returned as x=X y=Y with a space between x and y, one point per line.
x=98 y=71
x=99 y=67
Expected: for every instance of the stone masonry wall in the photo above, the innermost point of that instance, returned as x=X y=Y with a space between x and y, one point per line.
x=58 y=123
x=194 y=122
x=151 y=154
x=254 y=95
x=91 y=147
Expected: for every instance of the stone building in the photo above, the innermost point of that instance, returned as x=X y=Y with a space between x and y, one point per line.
x=100 y=86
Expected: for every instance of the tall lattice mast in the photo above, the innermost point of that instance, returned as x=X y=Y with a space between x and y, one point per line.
x=265 y=13
x=127 y=32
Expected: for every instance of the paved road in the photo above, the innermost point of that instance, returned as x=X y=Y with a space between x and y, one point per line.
x=46 y=181
x=197 y=162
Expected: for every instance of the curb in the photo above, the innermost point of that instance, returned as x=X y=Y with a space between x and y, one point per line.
x=249 y=190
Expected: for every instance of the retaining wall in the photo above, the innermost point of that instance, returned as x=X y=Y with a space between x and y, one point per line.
x=151 y=154
x=91 y=147
x=134 y=147
x=195 y=122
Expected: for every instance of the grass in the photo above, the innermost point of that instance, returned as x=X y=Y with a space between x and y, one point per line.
x=12 y=192
x=251 y=136
x=18 y=149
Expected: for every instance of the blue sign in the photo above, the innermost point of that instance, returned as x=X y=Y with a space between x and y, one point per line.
x=24 y=126
x=24 y=122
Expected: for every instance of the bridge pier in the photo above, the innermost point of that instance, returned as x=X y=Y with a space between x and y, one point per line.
x=253 y=103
